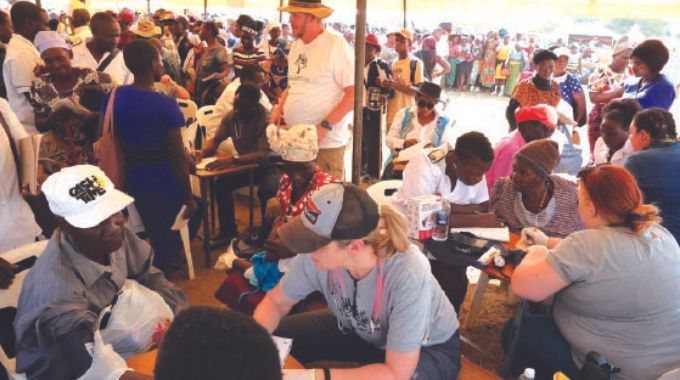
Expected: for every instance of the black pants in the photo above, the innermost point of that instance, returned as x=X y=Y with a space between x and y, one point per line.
x=316 y=337
x=266 y=178
x=371 y=143
x=453 y=280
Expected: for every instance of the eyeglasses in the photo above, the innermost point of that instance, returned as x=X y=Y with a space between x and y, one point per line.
x=424 y=104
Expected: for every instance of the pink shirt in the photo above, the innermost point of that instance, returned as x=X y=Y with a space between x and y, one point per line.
x=504 y=155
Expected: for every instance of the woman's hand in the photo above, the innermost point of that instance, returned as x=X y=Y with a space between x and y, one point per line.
x=220 y=164
x=534 y=236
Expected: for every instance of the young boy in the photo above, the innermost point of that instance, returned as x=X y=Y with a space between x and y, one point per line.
x=458 y=176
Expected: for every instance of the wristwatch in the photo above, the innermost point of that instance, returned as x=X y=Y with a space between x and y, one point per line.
x=325 y=124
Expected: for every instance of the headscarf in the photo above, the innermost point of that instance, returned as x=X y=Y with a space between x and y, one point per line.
x=297 y=144
x=48 y=40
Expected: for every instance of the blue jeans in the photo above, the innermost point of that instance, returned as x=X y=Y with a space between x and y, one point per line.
x=540 y=346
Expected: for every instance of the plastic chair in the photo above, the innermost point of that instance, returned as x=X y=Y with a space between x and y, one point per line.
x=377 y=190
x=671 y=375
x=10 y=297
x=188 y=108
x=209 y=119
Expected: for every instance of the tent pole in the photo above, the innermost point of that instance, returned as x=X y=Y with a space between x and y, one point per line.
x=405 y=7
x=148 y=7
x=280 y=13
x=205 y=9
x=359 y=62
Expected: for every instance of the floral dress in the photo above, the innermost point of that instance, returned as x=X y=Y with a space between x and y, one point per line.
x=603 y=79
x=285 y=192
x=69 y=142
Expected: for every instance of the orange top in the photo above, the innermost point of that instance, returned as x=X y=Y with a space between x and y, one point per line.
x=528 y=95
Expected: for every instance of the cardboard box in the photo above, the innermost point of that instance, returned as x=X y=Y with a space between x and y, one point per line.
x=421 y=216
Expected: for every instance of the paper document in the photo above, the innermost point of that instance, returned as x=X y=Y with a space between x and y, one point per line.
x=204 y=162
x=182 y=225
x=410 y=152
x=498 y=234
x=283 y=345
x=29 y=154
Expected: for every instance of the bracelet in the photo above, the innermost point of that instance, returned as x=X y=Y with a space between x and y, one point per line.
x=327 y=374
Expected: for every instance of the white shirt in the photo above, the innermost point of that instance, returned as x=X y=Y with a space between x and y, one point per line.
x=81 y=34
x=318 y=73
x=422 y=177
x=17 y=224
x=601 y=151
x=225 y=103
x=419 y=132
x=82 y=57
x=17 y=71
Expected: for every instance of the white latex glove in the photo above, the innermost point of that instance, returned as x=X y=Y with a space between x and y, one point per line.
x=534 y=236
x=106 y=363
x=298 y=374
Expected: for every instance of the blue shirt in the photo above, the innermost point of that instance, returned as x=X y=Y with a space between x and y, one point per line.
x=657 y=94
x=568 y=87
x=657 y=171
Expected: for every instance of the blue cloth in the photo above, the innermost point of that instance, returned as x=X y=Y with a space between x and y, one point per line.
x=657 y=171
x=569 y=87
x=267 y=273
x=657 y=94
x=142 y=122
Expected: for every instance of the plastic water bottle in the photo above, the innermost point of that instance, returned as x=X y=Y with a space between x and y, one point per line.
x=529 y=374
x=441 y=225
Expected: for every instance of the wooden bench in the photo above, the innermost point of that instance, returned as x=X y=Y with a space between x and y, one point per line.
x=471 y=371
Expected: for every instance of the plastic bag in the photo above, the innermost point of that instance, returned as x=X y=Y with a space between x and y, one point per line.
x=138 y=320
x=106 y=363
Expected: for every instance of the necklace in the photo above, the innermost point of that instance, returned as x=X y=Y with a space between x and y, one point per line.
x=539 y=219
x=541 y=205
x=238 y=128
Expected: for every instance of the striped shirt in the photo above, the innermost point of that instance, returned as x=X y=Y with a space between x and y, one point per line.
x=564 y=220
x=241 y=58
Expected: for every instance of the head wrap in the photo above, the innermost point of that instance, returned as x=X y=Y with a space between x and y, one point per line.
x=49 y=40
x=543 y=156
x=622 y=45
x=297 y=144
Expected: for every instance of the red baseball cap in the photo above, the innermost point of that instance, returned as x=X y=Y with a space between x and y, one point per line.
x=542 y=113
x=372 y=39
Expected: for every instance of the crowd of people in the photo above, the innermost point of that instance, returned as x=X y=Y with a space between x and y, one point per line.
x=97 y=96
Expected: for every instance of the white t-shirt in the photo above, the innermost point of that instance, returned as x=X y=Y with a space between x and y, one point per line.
x=17 y=224
x=17 y=72
x=422 y=177
x=422 y=133
x=601 y=151
x=119 y=73
x=318 y=72
x=225 y=103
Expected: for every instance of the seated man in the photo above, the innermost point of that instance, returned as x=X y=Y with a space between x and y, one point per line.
x=252 y=74
x=84 y=266
x=458 y=176
x=246 y=124
x=215 y=344
x=533 y=123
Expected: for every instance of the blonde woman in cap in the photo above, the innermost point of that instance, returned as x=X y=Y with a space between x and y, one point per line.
x=386 y=310
x=298 y=148
x=320 y=82
x=533 y=197
x=66 y=101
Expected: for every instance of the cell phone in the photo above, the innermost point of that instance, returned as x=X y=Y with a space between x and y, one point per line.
x=25 y=264
x=389 y=192
x=471 y=241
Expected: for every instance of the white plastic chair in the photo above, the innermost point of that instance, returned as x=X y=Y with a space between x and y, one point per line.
x=10 y=297
x=671 y=375
x=208 y=118
x=377 y=190
x=189 y=109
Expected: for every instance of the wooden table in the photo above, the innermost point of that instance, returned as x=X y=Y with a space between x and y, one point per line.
x=207 y=180
x=146 y=362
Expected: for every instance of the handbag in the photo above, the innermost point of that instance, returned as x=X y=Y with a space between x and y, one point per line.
x=571 y=157
x=107 y=149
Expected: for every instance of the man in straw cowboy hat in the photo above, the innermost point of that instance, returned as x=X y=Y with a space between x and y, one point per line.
x=321 y=82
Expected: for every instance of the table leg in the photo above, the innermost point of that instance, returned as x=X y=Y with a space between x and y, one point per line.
x=251 y=204
x=477 y=297
x=206 y=224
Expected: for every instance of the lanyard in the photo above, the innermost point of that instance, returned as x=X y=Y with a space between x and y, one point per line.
x=377 y=297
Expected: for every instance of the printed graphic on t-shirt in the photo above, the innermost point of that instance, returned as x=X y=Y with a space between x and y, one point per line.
x=300 y=63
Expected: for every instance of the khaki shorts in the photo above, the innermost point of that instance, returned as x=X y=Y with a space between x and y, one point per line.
x=332 y=161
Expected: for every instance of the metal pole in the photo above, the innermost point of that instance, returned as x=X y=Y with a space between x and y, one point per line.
x=359 y=63
x=405 y=19
x=280 y=13
x=148 y=7
x=205 y=9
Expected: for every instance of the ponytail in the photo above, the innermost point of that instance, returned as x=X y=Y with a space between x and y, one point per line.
x=642 y=217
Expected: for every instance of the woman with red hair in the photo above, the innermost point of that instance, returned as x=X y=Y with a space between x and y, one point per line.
x=616 y=286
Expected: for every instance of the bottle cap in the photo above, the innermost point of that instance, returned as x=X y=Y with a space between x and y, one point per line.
x=530 y=373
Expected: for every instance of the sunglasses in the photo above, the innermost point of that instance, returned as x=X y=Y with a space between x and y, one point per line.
x=425 y=104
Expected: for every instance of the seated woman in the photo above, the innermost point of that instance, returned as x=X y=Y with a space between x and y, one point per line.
x=66 y=101
x=386 y=310
x=298 y=148
x=656 y=162
x=653 y=90
x=532 y=197
x=613 y=146
x=421 y=123
x=616 y=287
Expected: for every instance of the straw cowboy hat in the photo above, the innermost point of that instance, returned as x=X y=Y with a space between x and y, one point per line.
x=146 y=28
x=312 y=7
